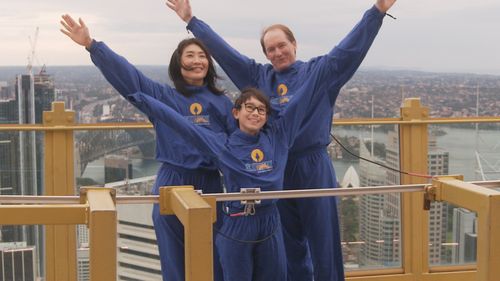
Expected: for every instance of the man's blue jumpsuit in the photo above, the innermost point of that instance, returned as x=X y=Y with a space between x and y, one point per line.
x=311 y=227
x=181 y=165
x=248 y=161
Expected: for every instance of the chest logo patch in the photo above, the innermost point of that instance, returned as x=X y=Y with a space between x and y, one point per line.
x=282 y=97
x=282 y=90
x=257 y=155
x=259 y=165
x=197 y=118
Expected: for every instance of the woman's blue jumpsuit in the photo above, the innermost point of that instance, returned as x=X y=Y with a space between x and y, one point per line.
x=311 y=227
x=181 y=165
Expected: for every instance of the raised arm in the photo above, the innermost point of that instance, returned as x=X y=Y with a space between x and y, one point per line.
x=242 y=70
x=122 y=75
x=350 y=52
x=205 y=140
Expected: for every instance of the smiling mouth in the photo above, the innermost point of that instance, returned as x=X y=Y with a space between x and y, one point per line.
x=255 y=122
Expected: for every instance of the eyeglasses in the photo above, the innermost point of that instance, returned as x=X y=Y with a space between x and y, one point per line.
x=250 y=108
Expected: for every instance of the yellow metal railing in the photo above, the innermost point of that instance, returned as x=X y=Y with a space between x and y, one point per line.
x=97 y=210
x=60 y=244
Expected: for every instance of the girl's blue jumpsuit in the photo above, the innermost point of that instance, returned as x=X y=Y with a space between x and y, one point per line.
x=181 y=165
x=311 y=227
x=248 y=161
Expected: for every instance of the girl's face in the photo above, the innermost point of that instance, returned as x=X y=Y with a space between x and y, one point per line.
x=251 y=116
x=194 y=65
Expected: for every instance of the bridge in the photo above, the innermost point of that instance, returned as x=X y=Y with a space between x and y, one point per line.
x=92 y=145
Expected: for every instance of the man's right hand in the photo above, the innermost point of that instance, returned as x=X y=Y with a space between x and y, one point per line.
x=182 y=8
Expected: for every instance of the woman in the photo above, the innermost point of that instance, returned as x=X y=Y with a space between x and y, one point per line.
x=253 y=156
x=197 y=99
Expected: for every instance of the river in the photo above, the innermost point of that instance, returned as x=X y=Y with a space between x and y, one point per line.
x=460 y=143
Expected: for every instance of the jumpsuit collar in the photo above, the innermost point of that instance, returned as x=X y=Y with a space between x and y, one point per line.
x=196 y=89
x=246 y=138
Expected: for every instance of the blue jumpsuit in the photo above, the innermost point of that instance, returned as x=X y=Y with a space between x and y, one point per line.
x=181 y=165
x=248 y=161
x=311 y=227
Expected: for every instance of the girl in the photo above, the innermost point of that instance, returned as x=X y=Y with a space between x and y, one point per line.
x=254 y=156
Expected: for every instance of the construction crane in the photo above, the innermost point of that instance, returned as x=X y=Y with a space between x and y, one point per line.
x=31 y=55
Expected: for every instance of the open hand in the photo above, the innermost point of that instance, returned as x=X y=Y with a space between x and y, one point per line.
x=77 y=31
x=182 y=8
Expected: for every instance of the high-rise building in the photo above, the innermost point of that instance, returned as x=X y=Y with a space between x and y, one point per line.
x=138 y=257
x=465 y=235
x=9 y=161
x=438 y=164
x=117 y=168
x=379 y=223
x=83 y=263
x=21 y=156
x=4 y=90
x=17 y=262
x=380 y=214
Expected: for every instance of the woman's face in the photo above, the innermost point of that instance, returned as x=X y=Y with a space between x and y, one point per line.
x=251 y=116
x=194 y=65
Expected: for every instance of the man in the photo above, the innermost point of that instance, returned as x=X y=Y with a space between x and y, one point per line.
x=311 y=228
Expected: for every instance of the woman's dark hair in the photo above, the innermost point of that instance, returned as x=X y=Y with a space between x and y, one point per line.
x=175 y=66
x=248 y=93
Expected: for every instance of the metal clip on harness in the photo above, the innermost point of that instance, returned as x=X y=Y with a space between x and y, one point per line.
x=249 y=209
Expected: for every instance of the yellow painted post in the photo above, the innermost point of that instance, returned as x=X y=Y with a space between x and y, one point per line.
x=413 y=143
x=102 y=232
x=60 y=241
x=197 y=217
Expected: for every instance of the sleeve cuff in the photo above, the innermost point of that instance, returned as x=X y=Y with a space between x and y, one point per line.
x=92 y=46
x=191 y=22
x=375 y=11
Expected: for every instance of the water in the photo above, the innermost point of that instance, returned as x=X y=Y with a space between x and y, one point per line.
x=140 y=168
x=460 y=143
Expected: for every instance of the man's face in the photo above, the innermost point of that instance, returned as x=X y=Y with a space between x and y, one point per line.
x=279 y=50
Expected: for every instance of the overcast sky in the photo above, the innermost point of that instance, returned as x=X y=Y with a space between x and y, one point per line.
x=429 y=35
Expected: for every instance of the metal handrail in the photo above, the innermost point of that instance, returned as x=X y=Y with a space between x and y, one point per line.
x=336 y=122
x=284 y=194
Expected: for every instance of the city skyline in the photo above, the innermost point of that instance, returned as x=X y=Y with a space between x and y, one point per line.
x=447 y=36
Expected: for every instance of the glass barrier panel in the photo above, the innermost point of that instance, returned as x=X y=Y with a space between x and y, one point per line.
x=452 y=235
x=471 y=150
x=370 y=225
x=124 y=160
x=110 y=156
